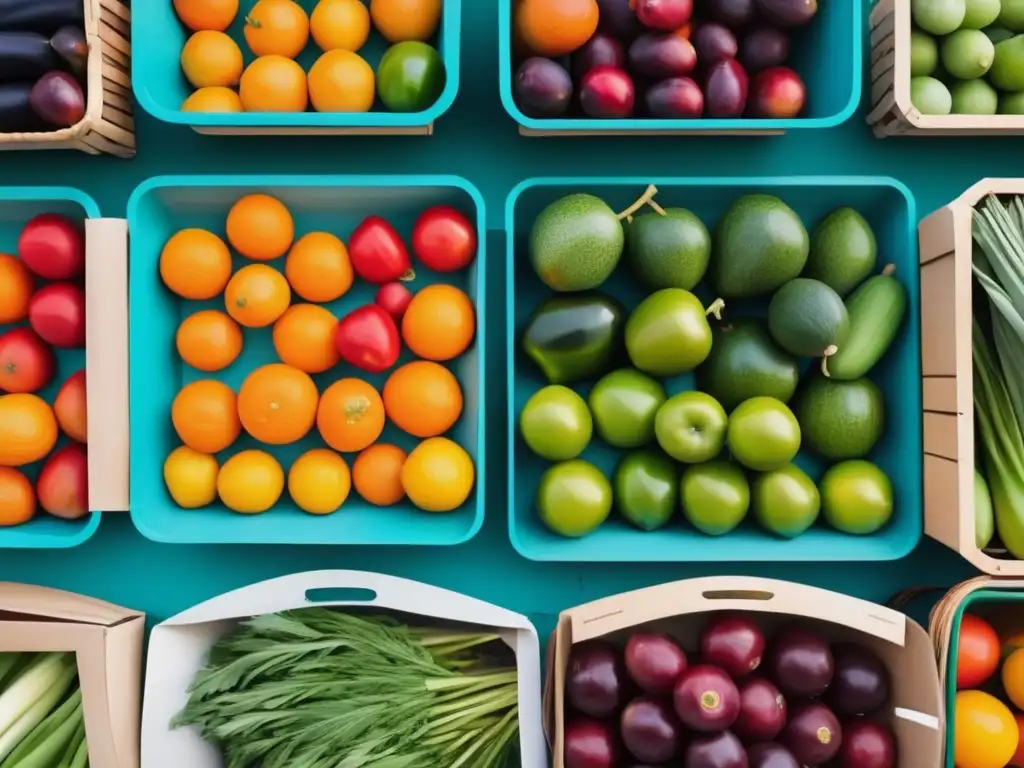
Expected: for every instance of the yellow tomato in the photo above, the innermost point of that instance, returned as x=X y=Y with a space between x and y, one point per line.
x=319 y=481
x=250 y=482
x=986 y=733
x=191 y=477
x=438 y=475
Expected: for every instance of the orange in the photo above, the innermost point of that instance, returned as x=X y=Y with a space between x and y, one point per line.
x=277 y=404
x=341 y=81
x=257 y=295
x=274 y=84
x=28 y=429
x=377 y=474
x=399 y=20
x=423 y=398
x=439 y=323
x=206 y=14
x=17 y=498
x=319 y=481
x=209 y=340
x=211 y=58
x=250 y=482
x=195 y=264
x=205 y=415
x=16 y=287
x=986 y=734
x=343 y=24
x=277 y=28
x=318 y=267
x=191 y=477
x=214 y=98
x=438 y=475
x=556 y=27
x=1013 y=678
x=350 y=416
x=304 y=338
x=260 y=227
x=1018 y=757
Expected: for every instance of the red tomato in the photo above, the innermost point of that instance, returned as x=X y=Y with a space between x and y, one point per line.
x=63 y=484
x=69 y=406
x=394 y=299
x=26 y=361
x=444 y=239
x=977 y=657
x=368 y=339
x=57 y=313
x=53 y=246
x=377 y=252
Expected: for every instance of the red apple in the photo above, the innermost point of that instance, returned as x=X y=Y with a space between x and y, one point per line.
x=57 y=313
x=777 y=92
x=26 y=361
x=53 y=247
x=63 y=484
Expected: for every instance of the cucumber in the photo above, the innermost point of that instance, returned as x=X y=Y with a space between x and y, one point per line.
x=875 y=310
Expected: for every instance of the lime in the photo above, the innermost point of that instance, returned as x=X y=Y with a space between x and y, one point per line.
x=763 y=434
x=929 y=96
x=978 y=14
x=967 y=54
x=924 y=54
x=624 y=404
x=1011 y=15
x=940 y=17
x=785 y=501
x=974 y=97
x=574 y=498
x=691 y=427
x=1007 y=72
x=1011 y=103
x=646 y=489
x=856 y=497
x=715 y=496
x=556 y=423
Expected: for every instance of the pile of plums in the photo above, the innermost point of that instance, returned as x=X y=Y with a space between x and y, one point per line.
x=660 y=58
x=740 y=702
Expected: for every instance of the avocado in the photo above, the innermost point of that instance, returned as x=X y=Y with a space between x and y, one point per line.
x=843 y=251
x=760 y=244
x=745 y=362
x=840 y=419
x=572 y=338
x=668 y=250
x=808 y=319
x=576 y=243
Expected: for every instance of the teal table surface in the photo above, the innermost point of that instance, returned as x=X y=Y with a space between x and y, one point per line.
x=478 y=140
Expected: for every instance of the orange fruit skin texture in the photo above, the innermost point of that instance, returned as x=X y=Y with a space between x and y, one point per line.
x=71 y=409
x=351 y=415
x=377 y=474
x=556 y=27
x=439 y=323
x=260 y=227
x=438 y=475
x=209 y=340
x=304 y=338
x=195 y=264
x=340 y=24
x=206 y=14
x=211 y=58
x=986 y=733
x=277 y=404
x=16 y=288
x=319 y=481
x=205 y=416
x=191 y=477
x=28 y=429
x=257 y=295
x=250 y=482
x=1018 y=757
x=277 y=28
x=341 y=81
x=399 y=20
x=978 y=652
x=423 y=398
x=318 y=267
x=1013 y=678
x=213 y=98
x=274 y=84
x=17 y=498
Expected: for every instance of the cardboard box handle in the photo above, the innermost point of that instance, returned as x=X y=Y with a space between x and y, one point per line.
x=106 y=362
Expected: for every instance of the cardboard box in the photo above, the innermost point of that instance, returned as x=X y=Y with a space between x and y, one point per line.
x=178 y=649
x=107 y=641
x=679 y=608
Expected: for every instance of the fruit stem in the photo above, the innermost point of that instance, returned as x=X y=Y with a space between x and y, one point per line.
x=410 y=275
x=716 y=308
x=830 y=350
x=657 y=208
x=641 y=201
x=250 y=21
x=890 y=269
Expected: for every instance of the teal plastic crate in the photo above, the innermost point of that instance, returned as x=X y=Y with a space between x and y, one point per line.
x=161 y=88
x=17 y=206
x=889 y=208
x=827 y=54
x=162 y=206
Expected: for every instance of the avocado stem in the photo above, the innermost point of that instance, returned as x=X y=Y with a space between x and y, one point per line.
x=890 y=270
x=716 y=308
x=657 y=208
x=643 y=200
x=830 y=350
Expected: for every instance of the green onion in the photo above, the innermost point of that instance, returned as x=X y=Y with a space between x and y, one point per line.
x=984 y=519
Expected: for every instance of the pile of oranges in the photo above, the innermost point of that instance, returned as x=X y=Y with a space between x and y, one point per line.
x=279 y=403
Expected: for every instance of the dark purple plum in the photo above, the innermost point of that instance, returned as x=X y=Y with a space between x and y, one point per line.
x=800 y=663
x=650 y=730
x=654 y=662
x=723 y=750
x=660 y=54
x=666 y=15
x=58 y=99
x=714 y=42
x=71 y=45
x=590 y=744
x=543 y=88
x=600 y=50
x=607 y=92
x=706 y=699
x=677 y=97
x=618 y=18
x=762 y=711
x=725 y=89
x=866 y=745
x=861 y=682
x=764 y=48
x=787 y=13
x=771 y=755
x=812 y=734
x=732 y=13
x=777 y=93
x=596 y=680
x=733 y=642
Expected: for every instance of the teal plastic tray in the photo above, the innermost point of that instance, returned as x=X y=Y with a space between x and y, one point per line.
x=161 y=88
x=827 y=54
x=17 y=206
x=889 y=207
x=162 y=206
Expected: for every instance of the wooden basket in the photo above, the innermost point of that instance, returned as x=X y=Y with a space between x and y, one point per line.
x=945 y=245
x=108 y=127
x=893 y=114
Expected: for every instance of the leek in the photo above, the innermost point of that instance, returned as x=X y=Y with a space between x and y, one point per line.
x=48 y=751
x=36 y=679
x=984 y=519
x=39 y=719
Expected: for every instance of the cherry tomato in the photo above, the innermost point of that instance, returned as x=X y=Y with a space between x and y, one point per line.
x=444 y=239
x=57 y=313
x=394 y=299
x=377 y=252
x=26 y=361
x=977 y=657
x=53 y=246
x=368 y=339
x=63 y=484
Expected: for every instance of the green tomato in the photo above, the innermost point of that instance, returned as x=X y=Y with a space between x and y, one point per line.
x=624 y=404
x=411 y=77
x=556 y=423
x=574 y=498
x=690 y=427
x=646 y=489
x=763 y=434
